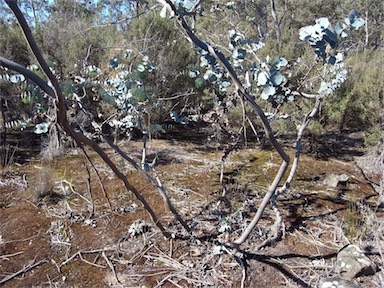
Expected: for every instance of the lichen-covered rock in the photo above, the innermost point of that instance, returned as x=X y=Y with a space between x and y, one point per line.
x=336 y=282
x=353 y=262
x=334 y=180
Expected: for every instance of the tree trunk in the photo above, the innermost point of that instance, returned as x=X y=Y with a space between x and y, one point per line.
x=275 y=21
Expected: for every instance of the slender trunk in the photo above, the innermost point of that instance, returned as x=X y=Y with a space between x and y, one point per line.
x=366 y=30
x=266 y=31
x=3 y=129
x=275 y=21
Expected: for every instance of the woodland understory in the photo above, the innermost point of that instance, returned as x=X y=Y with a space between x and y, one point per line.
x=179 y=153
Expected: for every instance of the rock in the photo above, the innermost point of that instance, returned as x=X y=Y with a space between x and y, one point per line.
x=336 y=282
x=334 y=180
x=353 y=262
x=357 y=135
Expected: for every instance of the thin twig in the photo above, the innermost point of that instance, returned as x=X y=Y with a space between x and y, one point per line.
x=22 y=271
x=89 y=187
x=98 y=178
x=90 y=263
x=78 y=253
x=10 y=255
x=111 y=266
x=22 y=240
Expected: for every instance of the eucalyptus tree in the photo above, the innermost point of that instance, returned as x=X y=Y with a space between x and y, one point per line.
x=251 y=76
x=54 y=90
x=237 y=73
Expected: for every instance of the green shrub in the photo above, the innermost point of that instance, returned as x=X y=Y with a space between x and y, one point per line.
x=358 y=105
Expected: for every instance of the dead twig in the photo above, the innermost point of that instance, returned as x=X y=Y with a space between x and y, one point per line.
x=242 y=263
x=90 y=263
x=5 y=257
x=78 y=253
x=22 y=240
x=111 y=266
x=98 y=178
x=22 y=271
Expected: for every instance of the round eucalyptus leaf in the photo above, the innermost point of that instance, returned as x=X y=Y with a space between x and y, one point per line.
x=277 y=79
x=268 y=91
x=16 y=78
x=140 y=68
x=357 y=23
x=280 y=62
x=323 y=22
x=262 y=78
x=331 y=37
x=306 y=32
x=41 y=128
x=193 y=73
x=332 y=60
x=239 y=54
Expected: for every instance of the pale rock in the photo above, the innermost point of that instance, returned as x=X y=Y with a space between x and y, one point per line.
x=334 y=180
x=336 y=282
x=353 y=262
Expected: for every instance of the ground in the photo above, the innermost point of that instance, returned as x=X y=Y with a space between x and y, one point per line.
x=59 y=229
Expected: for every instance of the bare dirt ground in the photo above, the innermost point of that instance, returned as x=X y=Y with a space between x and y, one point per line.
x=49 y=236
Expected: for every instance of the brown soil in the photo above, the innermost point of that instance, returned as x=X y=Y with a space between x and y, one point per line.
x=49 y=235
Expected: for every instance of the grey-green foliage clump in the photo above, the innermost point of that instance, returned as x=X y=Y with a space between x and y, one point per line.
x=322 y=34
x=80 y=43
x=124 y=87
x=268 y=78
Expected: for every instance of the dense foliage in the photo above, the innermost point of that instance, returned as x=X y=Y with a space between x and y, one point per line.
x=128 y=57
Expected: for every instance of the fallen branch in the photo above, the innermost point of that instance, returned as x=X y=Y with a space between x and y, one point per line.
x=78 y=253
x=22 y=271
x=5 y=257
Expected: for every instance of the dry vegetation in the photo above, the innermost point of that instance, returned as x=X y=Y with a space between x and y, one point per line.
x=59 y=231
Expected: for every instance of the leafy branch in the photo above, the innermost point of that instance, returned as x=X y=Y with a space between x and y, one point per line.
x=56 y=93
x=242 y=92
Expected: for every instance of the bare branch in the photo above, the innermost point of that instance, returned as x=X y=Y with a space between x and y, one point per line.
x=22 y=271
x=79 y=137
x=28 y=74
x=242 y=91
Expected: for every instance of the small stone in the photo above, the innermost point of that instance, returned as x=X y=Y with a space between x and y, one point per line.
x=334 y=180
x=353 y=262
x=336 y=282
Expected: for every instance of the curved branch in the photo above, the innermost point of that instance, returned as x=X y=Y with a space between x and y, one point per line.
x=79 y=137
x=28 y=74
x=305 y=95
x=241 y=90
x=277 y=226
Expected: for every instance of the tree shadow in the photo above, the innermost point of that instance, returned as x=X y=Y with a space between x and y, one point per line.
x=340 y=146
x=274 y=261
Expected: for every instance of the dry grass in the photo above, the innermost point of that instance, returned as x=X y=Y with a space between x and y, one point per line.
x=100 y=250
